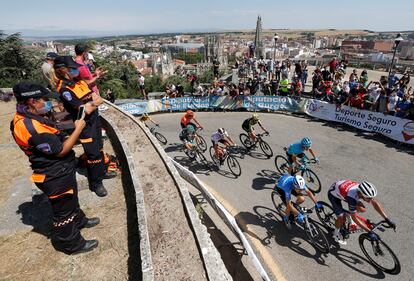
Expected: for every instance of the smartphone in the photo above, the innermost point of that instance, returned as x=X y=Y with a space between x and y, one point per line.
x=81 y=112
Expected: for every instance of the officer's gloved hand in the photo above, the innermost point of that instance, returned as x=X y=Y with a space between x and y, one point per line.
x=316 y=159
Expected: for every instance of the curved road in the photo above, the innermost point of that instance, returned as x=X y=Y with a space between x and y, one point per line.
x=344 y=154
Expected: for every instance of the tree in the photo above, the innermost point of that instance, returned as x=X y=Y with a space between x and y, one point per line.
x=16 y=62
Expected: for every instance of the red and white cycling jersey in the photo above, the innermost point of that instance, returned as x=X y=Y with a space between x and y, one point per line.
x=345 y=190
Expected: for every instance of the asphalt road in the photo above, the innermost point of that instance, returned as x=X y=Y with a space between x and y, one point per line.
x=344 y=154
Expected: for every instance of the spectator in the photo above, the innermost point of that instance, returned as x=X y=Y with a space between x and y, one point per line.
x=353 y=76
x=326 y=75
x=48 y=71
x=333 y=64
x=284 y=71
x=381 y=104
x=141 y=86
x=410 y=111
x=277 y=70
x=363 y=79
x=304 y=77
x=402 y=107
x=404 y=81
x=216 y=66
x=374 y=89
x=81 y=51
x=284 y=86
x=393 y=100
x=392 y=79
x=110 y=96
x=344 y=63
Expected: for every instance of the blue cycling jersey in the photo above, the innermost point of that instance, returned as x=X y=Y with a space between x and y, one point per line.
x=295 y=148
x=286 y=184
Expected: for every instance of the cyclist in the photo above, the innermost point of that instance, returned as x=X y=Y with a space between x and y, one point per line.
x=145 y=117
x=221 y=136
x=187 y=118
x=297 y=150
x=353 y=193
x=248 y=126
x=289 y=185
x=187 y=136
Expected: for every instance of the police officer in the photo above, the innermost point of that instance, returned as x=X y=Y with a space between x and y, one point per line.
x=53 y=162
x=75 y=93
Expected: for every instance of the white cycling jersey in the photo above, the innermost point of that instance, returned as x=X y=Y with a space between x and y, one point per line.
x=216 y=137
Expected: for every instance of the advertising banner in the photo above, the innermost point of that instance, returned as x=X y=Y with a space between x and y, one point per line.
x=270 y=102
x=393 y=127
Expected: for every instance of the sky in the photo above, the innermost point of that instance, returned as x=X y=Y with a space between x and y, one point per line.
x=115 y=17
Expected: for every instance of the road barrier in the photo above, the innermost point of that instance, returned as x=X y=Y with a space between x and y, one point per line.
x=396 y=128
x=228 y=219
x=214 y=266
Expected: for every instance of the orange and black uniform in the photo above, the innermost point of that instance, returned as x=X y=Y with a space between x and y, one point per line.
x=74 y=94
x=54 y=175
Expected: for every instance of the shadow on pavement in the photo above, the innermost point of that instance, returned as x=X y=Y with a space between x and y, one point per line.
x=173 y=147
x=276 y=229
x=352 y=260
x=193 y=165
x=266 y=177
x=37 y=213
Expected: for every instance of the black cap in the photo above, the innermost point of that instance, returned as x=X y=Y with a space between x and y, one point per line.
x=66 y=61
x=51 y=55
x=80 y=49
x=27 y=90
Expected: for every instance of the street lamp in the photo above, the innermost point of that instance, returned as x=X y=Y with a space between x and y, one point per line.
x=275 y=38
x=397 y=41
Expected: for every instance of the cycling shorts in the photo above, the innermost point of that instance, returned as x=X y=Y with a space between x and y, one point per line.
x=336 y=205
x=290 y=157
x=282 y=194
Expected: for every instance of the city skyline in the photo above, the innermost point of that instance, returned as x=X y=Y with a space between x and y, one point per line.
x=43 y=18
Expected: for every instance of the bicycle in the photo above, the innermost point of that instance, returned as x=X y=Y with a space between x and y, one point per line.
x=378 y=248
x=231 y=160
x=312 y=180
x=316 y=236
x=195 y=153
x=201 y=142
x=250 y=144
x=160 y=137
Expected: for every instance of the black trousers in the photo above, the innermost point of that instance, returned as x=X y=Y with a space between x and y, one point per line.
x=91 y=140
x=68 y=218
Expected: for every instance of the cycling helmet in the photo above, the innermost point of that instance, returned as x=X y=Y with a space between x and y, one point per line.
x=306 y=142
x=255 y=117
x=190 y=113
x=367 y=189
x=222 y=131
x=299 y=183
x=190 y=129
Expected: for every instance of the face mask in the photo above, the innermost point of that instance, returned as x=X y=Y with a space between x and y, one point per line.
x=74 y=72
x=46 y=108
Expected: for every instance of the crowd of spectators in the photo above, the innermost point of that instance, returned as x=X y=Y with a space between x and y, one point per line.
x=391 y=95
